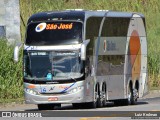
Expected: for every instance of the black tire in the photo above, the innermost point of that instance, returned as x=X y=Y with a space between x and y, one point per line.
x=104 y=97
x=99 y=101
x=134 y=96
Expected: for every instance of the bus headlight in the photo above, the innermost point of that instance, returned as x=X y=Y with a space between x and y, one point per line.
x=30 y=91
x=74 y=90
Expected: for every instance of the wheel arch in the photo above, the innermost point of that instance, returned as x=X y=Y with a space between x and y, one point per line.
x=129 y=86
x=136 y=84
x=104 y=86
x=97 y=87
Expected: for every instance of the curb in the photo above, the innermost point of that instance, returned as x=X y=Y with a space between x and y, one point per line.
x=154 y=91
x=12 y=104
x=152 y=94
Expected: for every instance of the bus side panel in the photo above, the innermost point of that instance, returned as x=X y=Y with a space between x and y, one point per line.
x=110 y=65
x=115 y=87
x=89 y=84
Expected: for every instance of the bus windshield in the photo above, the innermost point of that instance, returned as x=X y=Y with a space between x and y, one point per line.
x=54 y=33
x=61 y=65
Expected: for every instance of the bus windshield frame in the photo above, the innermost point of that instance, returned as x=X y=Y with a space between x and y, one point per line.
x=62 y=65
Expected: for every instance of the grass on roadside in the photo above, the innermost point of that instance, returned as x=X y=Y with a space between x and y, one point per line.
x=11 y=84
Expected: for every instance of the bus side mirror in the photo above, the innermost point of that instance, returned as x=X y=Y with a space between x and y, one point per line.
x=16 y=51
x=83 y=49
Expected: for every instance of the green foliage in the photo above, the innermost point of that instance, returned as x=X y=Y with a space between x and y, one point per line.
x=10 y=73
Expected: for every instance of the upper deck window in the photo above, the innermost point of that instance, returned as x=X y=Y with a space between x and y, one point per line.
x=54 y=33
x=115 y=26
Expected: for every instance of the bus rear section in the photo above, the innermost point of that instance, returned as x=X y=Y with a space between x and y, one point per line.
x=118 y=51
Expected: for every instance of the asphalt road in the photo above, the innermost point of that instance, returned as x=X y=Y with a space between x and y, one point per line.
x=149 y=103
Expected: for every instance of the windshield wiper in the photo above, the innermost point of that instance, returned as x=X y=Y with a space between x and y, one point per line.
x=73 y=79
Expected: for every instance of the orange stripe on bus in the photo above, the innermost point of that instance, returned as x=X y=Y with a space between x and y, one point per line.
x=135 y=54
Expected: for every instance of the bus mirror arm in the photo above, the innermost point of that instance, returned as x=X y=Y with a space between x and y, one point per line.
x=16 y=51
x=83 y=49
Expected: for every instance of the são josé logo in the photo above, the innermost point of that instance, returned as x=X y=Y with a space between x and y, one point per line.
x=40 y=27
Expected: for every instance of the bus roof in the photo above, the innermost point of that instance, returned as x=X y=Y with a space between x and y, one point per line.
x=79 y=15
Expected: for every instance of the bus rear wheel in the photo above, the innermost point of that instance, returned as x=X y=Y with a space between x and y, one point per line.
x=132 y=96
x=99 y=100
x=104 y=99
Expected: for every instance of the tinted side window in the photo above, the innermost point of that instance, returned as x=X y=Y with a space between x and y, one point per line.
x=115 y=26
x=92 y=30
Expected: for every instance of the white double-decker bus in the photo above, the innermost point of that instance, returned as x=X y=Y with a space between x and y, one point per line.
x=84 y=58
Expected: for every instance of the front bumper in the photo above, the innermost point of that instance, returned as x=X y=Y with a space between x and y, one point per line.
x=66 y=98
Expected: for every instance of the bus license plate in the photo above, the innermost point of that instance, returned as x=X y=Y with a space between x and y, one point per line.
x=52 y=98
